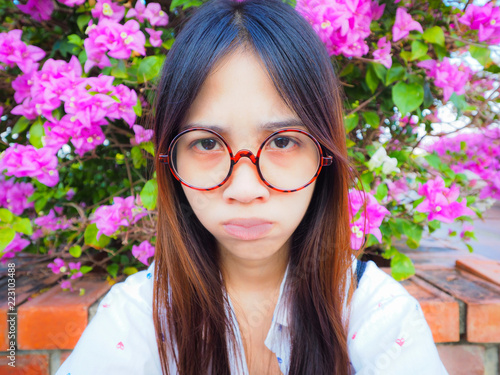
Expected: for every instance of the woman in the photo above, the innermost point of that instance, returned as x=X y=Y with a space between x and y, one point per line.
x=253 y=270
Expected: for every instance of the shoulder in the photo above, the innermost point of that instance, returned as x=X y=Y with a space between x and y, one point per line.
x=121 y=337
x=388 y=333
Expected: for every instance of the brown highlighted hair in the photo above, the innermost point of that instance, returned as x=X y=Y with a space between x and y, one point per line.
x=189 y=304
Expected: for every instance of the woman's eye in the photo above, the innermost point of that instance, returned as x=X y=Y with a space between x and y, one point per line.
x=208 y=144
x=283 y=143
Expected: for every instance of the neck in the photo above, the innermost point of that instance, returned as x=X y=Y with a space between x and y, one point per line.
x=254 y=276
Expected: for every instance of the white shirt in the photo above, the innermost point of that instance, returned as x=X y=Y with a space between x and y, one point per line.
x=387 y=332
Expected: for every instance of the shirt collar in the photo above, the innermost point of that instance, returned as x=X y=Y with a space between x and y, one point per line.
x=282 y=310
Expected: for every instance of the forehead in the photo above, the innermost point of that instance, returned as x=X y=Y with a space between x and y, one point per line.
x=238 y=98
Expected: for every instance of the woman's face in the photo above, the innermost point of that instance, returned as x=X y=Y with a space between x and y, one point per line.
x=238 y=96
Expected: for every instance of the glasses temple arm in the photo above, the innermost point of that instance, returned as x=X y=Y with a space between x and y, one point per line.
x=326 y=160
x=163 y=158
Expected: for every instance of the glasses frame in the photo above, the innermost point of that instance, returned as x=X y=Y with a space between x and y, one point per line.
x=324 y=160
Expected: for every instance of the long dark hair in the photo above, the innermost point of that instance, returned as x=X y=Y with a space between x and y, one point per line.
x=189 y=304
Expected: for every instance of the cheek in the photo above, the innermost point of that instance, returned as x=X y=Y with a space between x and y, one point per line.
x=294 y=205
x=200 y=202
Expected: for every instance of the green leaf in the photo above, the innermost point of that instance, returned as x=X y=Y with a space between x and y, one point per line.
x=6 y=216
x=458 y=101
x=434 y=160
x=349 y=143
x=90 y=237
x=371 y=78
x=401 y=267
x=75 y=251
x=137 y=157
x=407 y=96
x=381 y=192
x=434 y=35
x=380 y=71
x=351 y=121
x=130 y=270
x=405 y=55
x=168 y=43
x=371 y=119
x=75 y=39
x=82 y=21
x=441 y=51
x=40 y=203
x=36 y=133
x=347 y=70
x=366 y=180
x=149 y=68
x=185 y=4
x=120 y=71
x=6 y=237
x=85 y=269
x=148 y=147
x=394 y=74
x=20 y=125
x=434 y=225
x=414 y=233
x=138 y=108
x=23 y=225
x=149 y=194
x=113 y=269
x=418 y=49
x=419 y=217
x=481 y=54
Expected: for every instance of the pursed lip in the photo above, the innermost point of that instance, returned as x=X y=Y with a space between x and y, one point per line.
x=247 y=223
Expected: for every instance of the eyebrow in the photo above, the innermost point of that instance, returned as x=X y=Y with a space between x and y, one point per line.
x=268 y=126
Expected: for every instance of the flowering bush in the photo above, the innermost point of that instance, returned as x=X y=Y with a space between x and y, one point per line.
x=76 y=78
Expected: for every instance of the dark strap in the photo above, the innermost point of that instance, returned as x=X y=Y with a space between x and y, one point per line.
x=360 y=269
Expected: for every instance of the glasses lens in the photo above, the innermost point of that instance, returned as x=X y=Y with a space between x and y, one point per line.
x=289 y=160
x=201 y=159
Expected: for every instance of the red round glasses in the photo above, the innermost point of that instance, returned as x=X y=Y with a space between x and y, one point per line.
x=279 y=156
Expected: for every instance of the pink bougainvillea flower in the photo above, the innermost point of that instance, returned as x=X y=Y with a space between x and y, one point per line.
x=15 y=246
x=155 y=15
x=144 y=251
x=441 y=202
x=52 y=223
x=484 y=18
x=123 y=212
x=141 y=134
x=137 y=11
x=58 y=266
x=13 y=51
x=480 y=160
x=155 y=37
x=113 y=38
x=71 y=3
x=40 y=10
x=14 y=195
x=125 y=108
x=375 y=214
x=28 y=161
x=102 y=84
x=108 y=9
x=450 y=77
x=404 y=24
x=397 y=188
x=342 y=25
x=66 y=284
x=383 y=54
x=75 y=270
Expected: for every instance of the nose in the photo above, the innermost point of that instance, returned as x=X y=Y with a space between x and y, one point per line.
x=245 y=184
